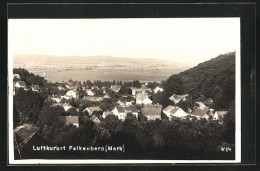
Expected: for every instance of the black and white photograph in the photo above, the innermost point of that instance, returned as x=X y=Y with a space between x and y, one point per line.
x=124 y=90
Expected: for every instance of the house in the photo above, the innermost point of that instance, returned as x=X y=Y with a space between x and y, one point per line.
x=219 y=115
x=174 y=111
x=120 y=103
x=66 y=107
x=90 y=92
x=152 y=112
x=121 y=112
x=25 y=147
x=17 y=76
x=106 y=96
x=135 y=90
x=90 y=110
x=106 y=113
x=61 y=88
x=104 y=88
x=71 y=82
x=95 y=119
x=95 y=87
x=146 y=90
x=211 y=112
x=116 y=88
x=209 y=101
x=157 y=89
x=70 y=120
x=19 y=84
x=177 y=98
x=143 y=90
x=200 y=111
x=56 y=98
x=35 y=88
x=67 y=86
x=24 y=131
x=125 y=101
x=71 y=94
x=92 y=98
x=143 y=99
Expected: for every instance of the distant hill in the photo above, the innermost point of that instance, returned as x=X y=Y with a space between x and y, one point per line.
x=49 y=59
x=211 y=79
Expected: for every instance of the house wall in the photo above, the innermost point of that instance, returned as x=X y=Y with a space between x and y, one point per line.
x=147 y=101
x=153 y=117
x=89 y=112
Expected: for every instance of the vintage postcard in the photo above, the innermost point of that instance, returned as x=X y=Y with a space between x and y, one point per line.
x=121 y=91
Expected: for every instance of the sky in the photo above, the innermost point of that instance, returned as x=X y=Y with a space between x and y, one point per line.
x=177 y=39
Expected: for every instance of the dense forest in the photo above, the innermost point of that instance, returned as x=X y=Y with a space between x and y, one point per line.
x=211 y=79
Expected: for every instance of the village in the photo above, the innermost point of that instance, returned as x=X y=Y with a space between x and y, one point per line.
x=98 y=102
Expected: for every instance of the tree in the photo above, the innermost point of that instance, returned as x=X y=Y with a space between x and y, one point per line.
x=111 y=123
x=125 y=90
x=173 y=85
x=229 y=124
x=29 y=78
x=72 y=111
x=152 y=85
x=137 y=84
x=16 y=116
x=50 y=115
x=142 y=118
x=28 y=104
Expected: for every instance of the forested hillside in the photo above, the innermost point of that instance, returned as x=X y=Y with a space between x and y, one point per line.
x=212 y=79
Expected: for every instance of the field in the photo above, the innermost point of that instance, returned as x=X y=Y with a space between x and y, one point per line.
x=104 y=74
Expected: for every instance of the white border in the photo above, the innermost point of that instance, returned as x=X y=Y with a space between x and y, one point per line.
x=92 y=161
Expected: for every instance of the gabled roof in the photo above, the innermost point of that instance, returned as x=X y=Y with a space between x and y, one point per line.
x=151 y=111
x=106 y=96
x=131 y=108
x=121 y=109
x=106 y=113
x=116 y=87
x=22 y=83
x=34 y=139
x=174 y=109
x=92 y=109
x=125 y=99
x=35 y=87
x=221 y=113
x=177 y=98
x=16 y=76
x=25 y=130
x=146 y=89
x=69 y=119
x=89 y=91
x=200 y=112
x=95 y=119
x=93 y=98
x=120 y=102
x=153 y=106
x=168 y=108
x=141 y=96
x=171 y=109
x=66 y=106
x=136 y=89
